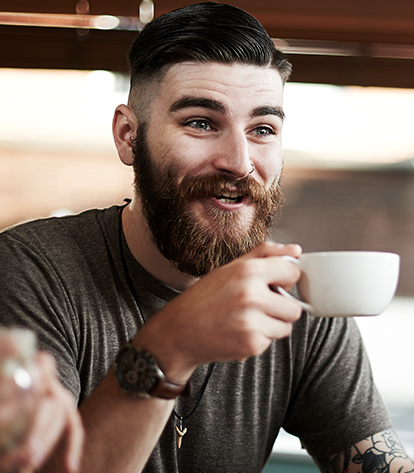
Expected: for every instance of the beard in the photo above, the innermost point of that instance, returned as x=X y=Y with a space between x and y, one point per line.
x=194 y=247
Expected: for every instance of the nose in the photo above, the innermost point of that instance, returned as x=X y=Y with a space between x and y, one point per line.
x=233 y=156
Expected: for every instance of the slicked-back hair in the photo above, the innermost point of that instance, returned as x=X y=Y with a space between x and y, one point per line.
x=204 y=32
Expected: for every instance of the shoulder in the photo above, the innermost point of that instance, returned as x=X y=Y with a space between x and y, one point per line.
x=315 y=334
x=59 y=245
x=52 y=231
x=34 y=226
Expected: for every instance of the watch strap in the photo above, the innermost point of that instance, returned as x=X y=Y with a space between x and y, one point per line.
x=167 y=389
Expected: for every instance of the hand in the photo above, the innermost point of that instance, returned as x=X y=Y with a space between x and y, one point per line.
x=55 y=419
x=230 y=314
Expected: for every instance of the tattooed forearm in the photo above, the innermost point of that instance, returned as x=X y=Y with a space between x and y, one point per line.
x=381 y=453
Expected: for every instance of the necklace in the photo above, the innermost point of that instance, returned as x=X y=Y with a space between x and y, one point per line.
x=179 y=428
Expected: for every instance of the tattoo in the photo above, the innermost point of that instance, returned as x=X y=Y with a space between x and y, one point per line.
x=381 y=453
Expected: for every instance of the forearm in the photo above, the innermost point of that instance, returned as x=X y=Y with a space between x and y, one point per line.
x=382 y=452
x=221 y=318
x=121 y=430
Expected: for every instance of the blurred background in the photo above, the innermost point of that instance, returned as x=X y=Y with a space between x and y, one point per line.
x=348 y=139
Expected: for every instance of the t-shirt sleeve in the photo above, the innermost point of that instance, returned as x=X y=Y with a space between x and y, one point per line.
x=33 y=295
x=335 y=403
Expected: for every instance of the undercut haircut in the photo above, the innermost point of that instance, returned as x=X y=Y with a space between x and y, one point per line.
x=203 y=32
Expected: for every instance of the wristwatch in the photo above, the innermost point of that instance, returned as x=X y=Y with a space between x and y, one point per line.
x=138 y=373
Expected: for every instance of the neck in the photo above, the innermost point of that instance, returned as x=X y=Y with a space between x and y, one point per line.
x=145 y=251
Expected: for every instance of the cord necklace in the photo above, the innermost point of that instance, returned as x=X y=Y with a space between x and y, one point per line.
x=179 y=428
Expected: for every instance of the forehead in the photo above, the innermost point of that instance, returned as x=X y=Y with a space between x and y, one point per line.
x=232 y=84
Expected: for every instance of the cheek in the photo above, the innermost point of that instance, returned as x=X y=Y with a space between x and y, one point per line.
x=191 y=157
x=170 y=148
x=270 y=166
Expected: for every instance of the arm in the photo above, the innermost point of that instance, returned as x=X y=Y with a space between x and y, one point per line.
x=230 y=314
x=380 y=453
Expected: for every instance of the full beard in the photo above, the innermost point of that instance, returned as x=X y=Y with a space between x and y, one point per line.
x=194 y=247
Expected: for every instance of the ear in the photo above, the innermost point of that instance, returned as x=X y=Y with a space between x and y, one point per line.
x=124 y=127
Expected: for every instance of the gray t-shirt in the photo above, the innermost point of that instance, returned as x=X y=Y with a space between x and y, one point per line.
x=65 y=278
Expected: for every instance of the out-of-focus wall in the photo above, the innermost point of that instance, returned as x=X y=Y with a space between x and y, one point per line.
x=351 y=210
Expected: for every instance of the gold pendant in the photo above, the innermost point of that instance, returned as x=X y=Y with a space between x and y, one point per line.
x=180 y=435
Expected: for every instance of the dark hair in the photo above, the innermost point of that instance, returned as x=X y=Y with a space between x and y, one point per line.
x=204 y=32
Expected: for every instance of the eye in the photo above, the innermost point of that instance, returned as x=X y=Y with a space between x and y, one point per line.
x=202 y=125
x=263 y=131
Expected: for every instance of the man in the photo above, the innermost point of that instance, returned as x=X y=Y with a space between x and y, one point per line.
x=183 y=272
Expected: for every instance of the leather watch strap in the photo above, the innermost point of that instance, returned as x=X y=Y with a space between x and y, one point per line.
x=166 y=389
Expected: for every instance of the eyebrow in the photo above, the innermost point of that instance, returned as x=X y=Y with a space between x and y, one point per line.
x=268 y=110
x=191 y=102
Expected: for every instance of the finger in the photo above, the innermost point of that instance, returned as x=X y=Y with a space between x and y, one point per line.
x=71 y=424
x=279 y=315
x=56 y=417
x=269 y=248
x=265 y=327
x=277 y=271
x=264 y=306
x=47 y=367
x=276 y=306
x=279 y=330
x=75 y=439
x=24 y=458
x=292 y=249
x=48 y=429
x=61 y=430
x=284 y=309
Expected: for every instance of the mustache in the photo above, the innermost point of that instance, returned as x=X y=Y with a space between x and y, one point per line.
x=202 y=187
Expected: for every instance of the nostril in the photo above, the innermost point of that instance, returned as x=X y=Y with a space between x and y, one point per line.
x=235 y=171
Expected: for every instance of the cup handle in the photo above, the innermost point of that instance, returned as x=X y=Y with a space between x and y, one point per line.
x=286 y=294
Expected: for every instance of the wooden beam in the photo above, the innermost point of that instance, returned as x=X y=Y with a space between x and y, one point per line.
x=62 y=48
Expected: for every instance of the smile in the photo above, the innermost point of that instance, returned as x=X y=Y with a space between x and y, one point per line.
x=229 y=197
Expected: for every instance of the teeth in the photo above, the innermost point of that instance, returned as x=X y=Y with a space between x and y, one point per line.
x=228 y=201
x=229 y=197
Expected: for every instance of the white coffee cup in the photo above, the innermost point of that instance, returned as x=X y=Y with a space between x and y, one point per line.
x=346 y=283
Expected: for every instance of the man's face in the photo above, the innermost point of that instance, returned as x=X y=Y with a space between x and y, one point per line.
x=208 y=125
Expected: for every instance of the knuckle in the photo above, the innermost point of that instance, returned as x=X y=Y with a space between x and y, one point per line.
x=247 y=269
x=258 y=345
x=296 y=311
x=248 y=298
x=296 y=272
x=267 y=246
x=293 y=310
x=286 y=330
x=252 y=340
x=291 y=270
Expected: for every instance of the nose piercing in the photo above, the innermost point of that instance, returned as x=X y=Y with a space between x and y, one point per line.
x=251 y=172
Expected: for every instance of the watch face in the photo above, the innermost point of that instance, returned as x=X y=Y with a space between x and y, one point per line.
x=136 y=370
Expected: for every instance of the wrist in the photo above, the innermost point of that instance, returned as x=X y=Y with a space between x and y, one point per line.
x=166 y=350
x=138 y=373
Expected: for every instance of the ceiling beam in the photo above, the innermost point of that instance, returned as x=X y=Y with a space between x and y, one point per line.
x=63 y=48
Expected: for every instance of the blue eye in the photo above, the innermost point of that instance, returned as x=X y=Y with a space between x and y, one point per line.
x=264 y=131
x=203 y=125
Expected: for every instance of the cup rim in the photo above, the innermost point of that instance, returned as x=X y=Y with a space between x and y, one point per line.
x=348 y=253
